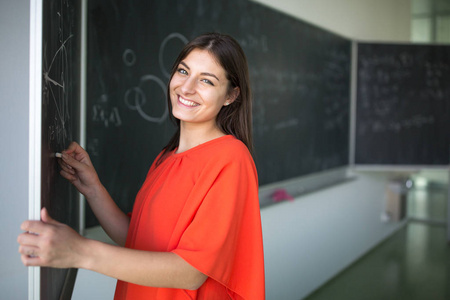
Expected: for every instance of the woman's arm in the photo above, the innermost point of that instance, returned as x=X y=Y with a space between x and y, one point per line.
x=112 y=219
x=53 y=244
x=76 y=166
x=158 y=269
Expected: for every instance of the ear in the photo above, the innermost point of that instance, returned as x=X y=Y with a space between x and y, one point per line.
x=232 y=96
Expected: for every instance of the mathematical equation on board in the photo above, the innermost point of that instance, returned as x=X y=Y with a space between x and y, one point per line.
x=135 y=97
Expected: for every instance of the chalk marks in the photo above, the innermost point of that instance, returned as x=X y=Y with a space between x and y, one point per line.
x=251 y=42
x=400 y=88
x=107 y=116
x=286 y=124
x=147 y=98
x=55 y=80
x=135 y=99
x=94 y=147
x=162 y=48
x=401 y=108
x=129 y=57
x=396 y=126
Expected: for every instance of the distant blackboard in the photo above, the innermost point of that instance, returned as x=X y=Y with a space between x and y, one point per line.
x=60 y=126
x=300 y=78
x=403 y=105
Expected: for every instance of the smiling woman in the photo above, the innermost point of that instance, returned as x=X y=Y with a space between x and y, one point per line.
x=219 y=66
x=195 y=229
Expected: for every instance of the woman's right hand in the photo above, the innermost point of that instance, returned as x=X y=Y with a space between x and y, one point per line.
x=76 y=167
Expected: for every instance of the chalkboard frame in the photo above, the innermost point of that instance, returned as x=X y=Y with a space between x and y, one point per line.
x=35 y=128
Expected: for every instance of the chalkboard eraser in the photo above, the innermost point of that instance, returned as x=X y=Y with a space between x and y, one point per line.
x=57 y=154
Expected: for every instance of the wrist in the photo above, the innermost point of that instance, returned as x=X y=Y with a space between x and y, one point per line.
x=87 y=254
x=96 y=192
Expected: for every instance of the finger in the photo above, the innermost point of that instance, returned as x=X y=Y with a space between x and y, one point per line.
x=46 y=217
x=78 y=153
x=72 y=147
x=66 y=167
x=33 y=227
x=68 y=176
x=75 y=150
x=29 y=250
x=31 y=261
x=72 y=162
x=28 y=239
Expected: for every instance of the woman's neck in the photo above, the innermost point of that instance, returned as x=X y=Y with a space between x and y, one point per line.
x=192 y=135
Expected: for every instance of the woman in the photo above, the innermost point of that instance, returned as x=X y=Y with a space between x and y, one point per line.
x=195 y=230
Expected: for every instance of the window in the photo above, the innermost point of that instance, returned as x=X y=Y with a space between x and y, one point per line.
x=430 y=21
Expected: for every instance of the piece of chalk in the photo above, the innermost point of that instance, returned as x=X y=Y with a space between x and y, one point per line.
x=58 y=154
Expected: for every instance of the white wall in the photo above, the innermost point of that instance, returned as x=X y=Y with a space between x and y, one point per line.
x=310 y=240
x=14 y=44
x=383 y=20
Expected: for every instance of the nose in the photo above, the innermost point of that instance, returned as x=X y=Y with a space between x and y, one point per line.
x=188 y=86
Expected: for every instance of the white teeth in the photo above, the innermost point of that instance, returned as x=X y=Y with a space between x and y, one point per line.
x=187 y=102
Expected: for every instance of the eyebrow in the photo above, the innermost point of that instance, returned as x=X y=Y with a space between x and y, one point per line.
x=203 y=73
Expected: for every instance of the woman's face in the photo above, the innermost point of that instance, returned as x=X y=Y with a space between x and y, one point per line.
x=198 y=89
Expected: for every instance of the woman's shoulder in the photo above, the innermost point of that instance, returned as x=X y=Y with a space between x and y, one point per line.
x=227 y=156
x=230 y=142
x=229 y=146
x=231 y=152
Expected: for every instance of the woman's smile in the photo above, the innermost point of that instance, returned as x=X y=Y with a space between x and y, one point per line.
x=187 y=103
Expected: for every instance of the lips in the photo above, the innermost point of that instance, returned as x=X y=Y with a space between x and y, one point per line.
x=188 y=103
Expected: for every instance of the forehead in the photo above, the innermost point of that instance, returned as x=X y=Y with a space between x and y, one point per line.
x=203 y=61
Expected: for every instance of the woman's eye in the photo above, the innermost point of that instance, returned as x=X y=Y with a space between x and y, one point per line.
x=208 y=82
x=182 y=71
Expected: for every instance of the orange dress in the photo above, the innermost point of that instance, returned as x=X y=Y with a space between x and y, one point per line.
x=202 y=204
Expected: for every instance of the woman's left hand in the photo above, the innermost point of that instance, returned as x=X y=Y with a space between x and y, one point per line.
x=50 y=243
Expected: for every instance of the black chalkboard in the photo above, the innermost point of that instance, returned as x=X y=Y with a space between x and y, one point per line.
x=60 y=125
x=300 y=78
x=403 y=105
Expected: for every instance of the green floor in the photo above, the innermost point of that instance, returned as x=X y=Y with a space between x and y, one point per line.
x=414 y=263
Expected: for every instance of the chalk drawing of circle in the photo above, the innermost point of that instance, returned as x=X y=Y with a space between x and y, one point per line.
x=140 y=99
x=174 y=35
x=129 y=57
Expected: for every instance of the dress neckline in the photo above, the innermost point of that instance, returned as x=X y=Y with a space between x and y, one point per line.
x=200 y=146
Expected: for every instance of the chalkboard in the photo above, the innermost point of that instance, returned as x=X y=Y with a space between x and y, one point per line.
x=403 y=105
x=60 y=125
x=300 y=77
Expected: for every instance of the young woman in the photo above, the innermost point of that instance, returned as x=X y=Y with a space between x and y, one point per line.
x=195 y=229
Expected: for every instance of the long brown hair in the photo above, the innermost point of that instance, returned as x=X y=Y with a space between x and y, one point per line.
x=236 y=118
